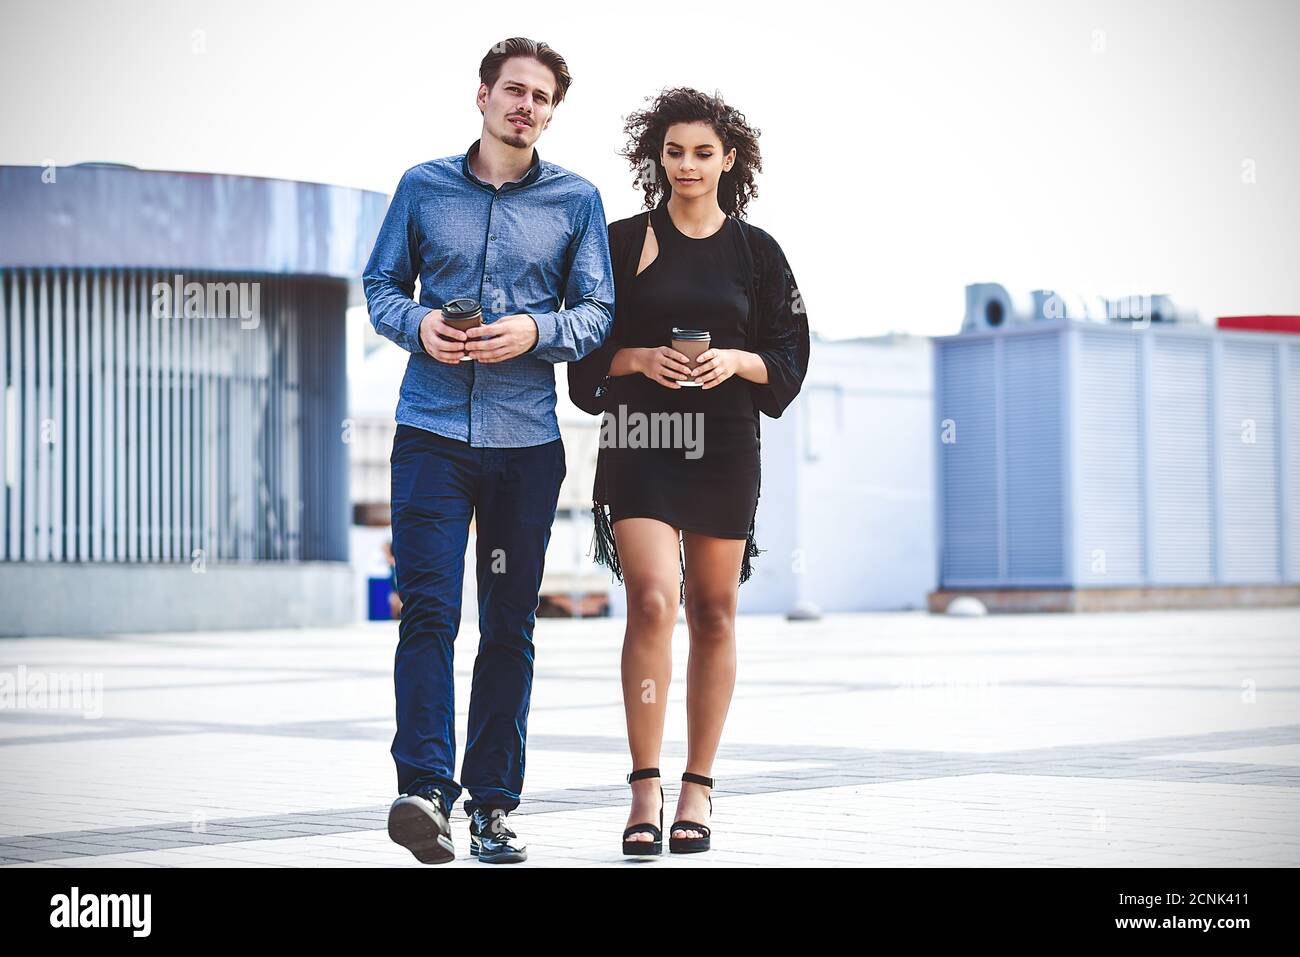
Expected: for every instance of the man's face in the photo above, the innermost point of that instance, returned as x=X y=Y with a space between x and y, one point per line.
x=519 y=107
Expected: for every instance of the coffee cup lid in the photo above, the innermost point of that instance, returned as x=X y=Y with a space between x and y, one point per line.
x=689 y=335
x=461 y=309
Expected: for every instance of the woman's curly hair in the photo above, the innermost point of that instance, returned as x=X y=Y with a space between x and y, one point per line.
x=647 y=128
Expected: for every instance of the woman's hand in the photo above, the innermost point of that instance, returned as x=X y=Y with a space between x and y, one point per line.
x=663 y=364
x=717 y=365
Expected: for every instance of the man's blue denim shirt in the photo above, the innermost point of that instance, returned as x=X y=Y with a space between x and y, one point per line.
x=521 y=249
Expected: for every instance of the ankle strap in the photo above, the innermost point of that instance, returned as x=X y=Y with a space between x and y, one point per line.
x=643 y=773
x=697 y=778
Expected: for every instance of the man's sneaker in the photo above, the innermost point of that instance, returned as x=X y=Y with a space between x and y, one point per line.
x=419 y=823
x=492 y=841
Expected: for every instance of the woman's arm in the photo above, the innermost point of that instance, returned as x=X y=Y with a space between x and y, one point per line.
x=718 y=365
x=626 y=362
x=587 y=376
x=751 y=366
x=661 y=364
x=781 y=362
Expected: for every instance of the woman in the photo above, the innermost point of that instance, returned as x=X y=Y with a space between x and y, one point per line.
x=677 y=524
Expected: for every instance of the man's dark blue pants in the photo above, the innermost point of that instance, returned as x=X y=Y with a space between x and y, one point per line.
x=438 y=483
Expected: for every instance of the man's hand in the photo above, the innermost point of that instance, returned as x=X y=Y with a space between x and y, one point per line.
x=432 y=328
x=506 y=338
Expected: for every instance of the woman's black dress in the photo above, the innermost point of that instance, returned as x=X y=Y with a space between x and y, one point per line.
x=708 y=483
x=738 y=285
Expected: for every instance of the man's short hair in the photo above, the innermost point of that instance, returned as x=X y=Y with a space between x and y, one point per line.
x=489 y=71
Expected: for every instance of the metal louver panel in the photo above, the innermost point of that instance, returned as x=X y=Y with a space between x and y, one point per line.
x=1181 y=535
x=1290 y=433
x=1031 y=373
x=1248 y=433
x=1165 y=457
x=1110 y=466
x=968 y=410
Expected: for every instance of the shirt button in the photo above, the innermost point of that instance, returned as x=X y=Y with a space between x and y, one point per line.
x=493 y=238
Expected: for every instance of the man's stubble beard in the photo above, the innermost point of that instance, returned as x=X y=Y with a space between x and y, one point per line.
x=515 y=138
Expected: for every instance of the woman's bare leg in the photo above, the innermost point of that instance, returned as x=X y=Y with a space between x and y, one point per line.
x=649 y=551
x=712 y=585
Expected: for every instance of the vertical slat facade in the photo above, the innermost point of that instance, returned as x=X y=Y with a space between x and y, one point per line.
x=131 y=436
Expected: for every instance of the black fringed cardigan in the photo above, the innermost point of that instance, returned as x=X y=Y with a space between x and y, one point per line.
x=777 y=331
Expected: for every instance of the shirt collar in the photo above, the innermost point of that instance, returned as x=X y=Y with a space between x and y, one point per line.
x=533 y=171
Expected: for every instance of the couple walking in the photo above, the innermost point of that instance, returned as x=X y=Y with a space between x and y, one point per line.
x=528 y=240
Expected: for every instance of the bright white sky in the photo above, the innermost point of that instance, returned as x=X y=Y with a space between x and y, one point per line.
x=910 y=148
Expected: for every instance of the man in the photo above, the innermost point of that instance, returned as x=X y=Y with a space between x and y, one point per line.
x=480 y=437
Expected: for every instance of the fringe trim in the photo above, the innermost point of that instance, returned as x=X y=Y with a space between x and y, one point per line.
x=751 y=548
x=751 y=551
x=606 y=550
x=681 y=563
x=603 y=540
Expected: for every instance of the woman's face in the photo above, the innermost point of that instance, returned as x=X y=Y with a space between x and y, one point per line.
x=693 y=159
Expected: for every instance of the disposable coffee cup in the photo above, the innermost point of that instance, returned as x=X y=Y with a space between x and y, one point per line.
x=690 y=343
x=462 y=314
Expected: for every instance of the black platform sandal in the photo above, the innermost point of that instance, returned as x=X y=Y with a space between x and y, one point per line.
x=646 y=848
x=690 y=845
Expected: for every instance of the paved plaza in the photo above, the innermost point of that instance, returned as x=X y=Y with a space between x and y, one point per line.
x=1154 y=739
